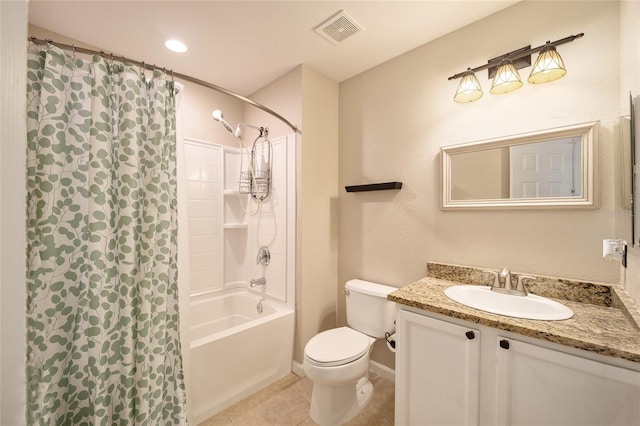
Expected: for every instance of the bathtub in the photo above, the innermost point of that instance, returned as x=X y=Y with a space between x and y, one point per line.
x=240 y=341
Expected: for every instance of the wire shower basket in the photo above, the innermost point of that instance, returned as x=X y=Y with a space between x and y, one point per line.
x=257 y=180
x=258 y=185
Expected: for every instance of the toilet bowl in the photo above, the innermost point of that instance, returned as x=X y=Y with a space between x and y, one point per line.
x=337 y=360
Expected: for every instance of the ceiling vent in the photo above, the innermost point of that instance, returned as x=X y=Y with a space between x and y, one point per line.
x=338 y=28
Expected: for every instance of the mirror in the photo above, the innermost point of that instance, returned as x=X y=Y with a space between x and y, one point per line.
x=627 y=161
x=633 y=170
x=629 y=175
x=546 y=169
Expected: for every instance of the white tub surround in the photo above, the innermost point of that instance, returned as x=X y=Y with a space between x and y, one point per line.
x=240 y=338
x=241 y=341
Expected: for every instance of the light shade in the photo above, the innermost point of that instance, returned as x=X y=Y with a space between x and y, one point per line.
x=469 y=88
x=548 y=67
x=506 y=80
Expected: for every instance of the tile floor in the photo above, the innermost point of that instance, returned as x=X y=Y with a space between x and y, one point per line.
x=286 y=403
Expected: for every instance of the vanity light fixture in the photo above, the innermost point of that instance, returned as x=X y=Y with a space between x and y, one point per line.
x=548 y=67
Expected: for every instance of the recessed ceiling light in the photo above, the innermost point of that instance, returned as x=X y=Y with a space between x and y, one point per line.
x=176 y=46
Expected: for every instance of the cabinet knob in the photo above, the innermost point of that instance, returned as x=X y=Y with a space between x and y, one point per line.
x=504 y=344
x=470 y=335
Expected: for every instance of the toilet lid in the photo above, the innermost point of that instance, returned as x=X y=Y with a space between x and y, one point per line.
x=338 y=346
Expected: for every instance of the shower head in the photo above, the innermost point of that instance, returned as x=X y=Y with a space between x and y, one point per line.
x=217 y=115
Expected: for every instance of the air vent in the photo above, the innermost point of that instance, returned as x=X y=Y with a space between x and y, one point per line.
x=338 y=28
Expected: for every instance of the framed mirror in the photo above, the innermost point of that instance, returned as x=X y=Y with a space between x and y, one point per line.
x=554 y=168
x=634 y=154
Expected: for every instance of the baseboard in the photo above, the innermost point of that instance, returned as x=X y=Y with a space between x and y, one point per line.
x=296 y=368
x=382 y=371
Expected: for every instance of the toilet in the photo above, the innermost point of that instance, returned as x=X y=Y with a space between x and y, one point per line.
x=337 y=360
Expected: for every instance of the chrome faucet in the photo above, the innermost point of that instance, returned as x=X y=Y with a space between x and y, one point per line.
x=257 y=281
x=521 y=288
x=502 y=283
x=504 y=278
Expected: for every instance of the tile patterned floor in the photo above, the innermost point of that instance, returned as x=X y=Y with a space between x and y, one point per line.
x=286 y=403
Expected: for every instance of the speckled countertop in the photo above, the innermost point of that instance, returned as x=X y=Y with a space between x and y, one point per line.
x=605 y=320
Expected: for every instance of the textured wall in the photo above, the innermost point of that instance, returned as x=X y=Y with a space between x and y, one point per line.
x=13 y=116
x=394 y=118
x=309 y=100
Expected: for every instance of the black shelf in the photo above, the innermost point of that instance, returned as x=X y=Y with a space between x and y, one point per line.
x=374 y=187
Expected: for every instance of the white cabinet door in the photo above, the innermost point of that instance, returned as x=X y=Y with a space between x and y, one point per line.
x=437 y=372
x=541 y=386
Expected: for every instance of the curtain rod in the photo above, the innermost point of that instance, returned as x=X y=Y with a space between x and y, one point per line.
x=181 y=76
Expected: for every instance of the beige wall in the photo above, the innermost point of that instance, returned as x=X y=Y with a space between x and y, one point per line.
x=13 y=148
x=283 y=95
x=196 y=105
x=319 y=206
x=395 y=117
x=310 y=101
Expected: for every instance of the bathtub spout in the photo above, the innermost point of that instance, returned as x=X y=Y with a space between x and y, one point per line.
x=257 y=281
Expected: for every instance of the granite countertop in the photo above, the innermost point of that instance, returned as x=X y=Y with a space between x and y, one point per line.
x=605 y=320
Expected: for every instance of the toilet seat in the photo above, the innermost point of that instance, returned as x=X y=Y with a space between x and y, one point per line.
x=337 y=346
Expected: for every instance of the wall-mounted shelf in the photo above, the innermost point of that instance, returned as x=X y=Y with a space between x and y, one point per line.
x=374 y=187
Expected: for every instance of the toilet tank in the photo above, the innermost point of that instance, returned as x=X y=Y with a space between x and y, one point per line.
x=368 y=309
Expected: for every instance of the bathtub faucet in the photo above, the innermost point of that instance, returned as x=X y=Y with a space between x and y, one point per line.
x=257 y=281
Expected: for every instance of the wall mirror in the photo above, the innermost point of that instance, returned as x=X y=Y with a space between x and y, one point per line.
x=632 y=171
x=554 y=168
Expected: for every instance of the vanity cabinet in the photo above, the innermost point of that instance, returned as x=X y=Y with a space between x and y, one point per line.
x=445 y=375
x=437 y=372
x=538 y=385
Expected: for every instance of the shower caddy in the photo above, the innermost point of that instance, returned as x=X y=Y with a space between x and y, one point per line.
x=256 y=181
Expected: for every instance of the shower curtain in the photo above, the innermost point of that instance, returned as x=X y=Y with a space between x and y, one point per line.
x=102 y=308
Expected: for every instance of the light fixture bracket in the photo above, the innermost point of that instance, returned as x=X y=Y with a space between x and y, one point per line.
x=519 y=62
x=516 y=56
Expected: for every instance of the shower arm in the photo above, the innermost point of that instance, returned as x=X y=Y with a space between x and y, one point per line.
x=264 y=131
x=219 y=117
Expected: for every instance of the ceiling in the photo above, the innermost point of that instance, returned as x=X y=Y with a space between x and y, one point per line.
x=244 y=45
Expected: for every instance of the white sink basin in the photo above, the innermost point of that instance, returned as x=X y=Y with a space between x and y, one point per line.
x=528 y=307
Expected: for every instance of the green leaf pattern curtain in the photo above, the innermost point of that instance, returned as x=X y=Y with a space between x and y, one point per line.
x=102 y=308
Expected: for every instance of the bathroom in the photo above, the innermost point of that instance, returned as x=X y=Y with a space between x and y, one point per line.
x=388 y=124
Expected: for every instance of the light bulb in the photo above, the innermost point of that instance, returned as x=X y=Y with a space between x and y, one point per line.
x=176 y=46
